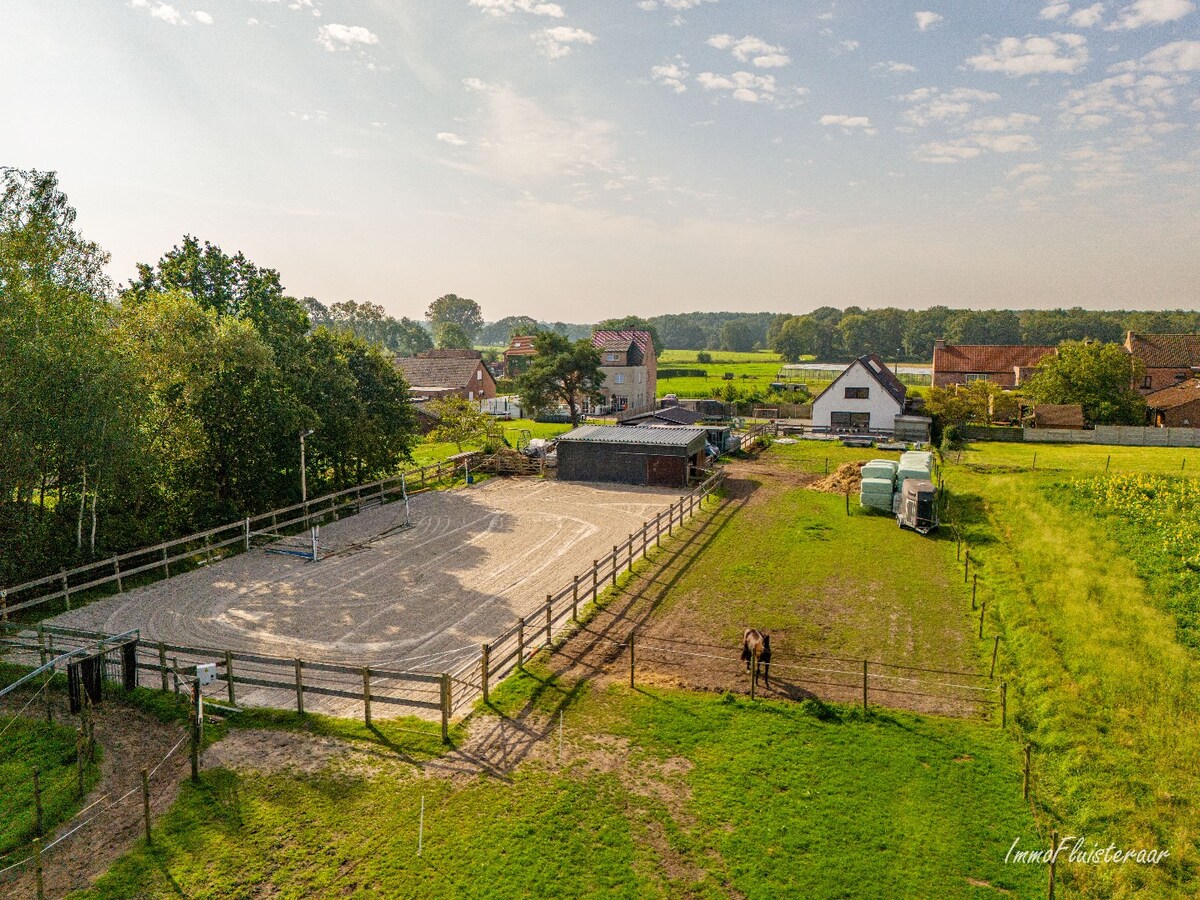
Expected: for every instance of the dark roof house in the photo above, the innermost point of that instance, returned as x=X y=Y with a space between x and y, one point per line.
x=1167 y=358
x=444 y=373
x=1177 y=406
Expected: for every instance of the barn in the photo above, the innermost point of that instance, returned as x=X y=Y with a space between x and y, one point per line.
x=660 y=457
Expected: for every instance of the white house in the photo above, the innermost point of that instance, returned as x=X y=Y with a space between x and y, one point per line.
x=865 y=397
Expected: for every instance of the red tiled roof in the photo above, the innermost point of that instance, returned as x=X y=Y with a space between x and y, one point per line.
x=454 y=373
x=641 y=339
x=1165 y=351
x=521 y=345
x=987 y=359
x=1176 y=395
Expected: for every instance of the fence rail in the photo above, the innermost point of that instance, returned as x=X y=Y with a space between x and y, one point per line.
x=441 y=686
x=199 y=548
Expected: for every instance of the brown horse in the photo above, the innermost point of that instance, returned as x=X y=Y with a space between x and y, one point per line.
x=756 y=646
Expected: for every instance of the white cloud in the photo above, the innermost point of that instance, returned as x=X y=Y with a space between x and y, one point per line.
x=947 y=151
x=501 y=8
x=1151 y=12
x=164 y=12
x=252 y=21
x=672 y=75
x=1178 y=56
x=335 y=37
x=1137 y=98
x=930 y=104
x=555 y=43
x=1087 y=17
x=202 y=17
x=1054 y=10
x=519 y=142
x=672 y=4
x=1034 y=55
x=744 y=86
x=848 y=46
x=926 y=20
x=1006 y=143
x=1011 y=122
x=446 y=137
x=751 y=49
x=849 y=124
x=1024 y=169
x=891 y=67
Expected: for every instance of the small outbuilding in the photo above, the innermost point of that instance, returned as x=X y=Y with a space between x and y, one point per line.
x=1177 y=406
x=662 y=457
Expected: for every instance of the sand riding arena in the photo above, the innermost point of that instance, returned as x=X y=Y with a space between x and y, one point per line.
x=410 y=599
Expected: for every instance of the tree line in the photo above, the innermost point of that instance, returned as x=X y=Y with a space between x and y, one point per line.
x=169 y=405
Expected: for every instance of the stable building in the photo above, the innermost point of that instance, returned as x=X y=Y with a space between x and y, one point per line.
x=661 y=457
x=1177 y=406
x=435 y=374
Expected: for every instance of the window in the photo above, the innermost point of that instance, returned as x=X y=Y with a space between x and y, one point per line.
x=1146 y=382
x=976 y=376
x=479 y=374
x=859 y=393
x=618 y=378
x=612 y=357
x=849 y=420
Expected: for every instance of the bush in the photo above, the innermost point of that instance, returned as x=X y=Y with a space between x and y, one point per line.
x=952 y=438
x=703 y=357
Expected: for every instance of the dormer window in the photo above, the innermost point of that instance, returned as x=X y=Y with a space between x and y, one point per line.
x=612 y=357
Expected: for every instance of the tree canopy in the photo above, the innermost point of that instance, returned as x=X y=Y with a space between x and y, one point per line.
x=563 y=373
x=451 y=309
x=1099 y=377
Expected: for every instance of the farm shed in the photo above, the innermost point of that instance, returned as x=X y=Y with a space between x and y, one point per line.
x=630 y=455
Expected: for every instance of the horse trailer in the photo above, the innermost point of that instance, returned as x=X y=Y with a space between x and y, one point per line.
x=918 y=506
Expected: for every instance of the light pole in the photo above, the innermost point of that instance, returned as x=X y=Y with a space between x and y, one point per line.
x=303 y=472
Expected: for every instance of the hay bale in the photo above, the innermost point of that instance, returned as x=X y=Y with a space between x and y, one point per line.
x=847 y=477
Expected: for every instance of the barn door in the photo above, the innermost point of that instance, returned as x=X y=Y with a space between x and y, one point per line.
x=666 y=471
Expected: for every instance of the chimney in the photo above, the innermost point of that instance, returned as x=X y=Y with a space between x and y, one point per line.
x=939 y=344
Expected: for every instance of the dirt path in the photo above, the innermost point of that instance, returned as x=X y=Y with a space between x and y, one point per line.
x=131 y=741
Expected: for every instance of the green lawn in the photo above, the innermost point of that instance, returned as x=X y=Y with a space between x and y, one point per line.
x=1100 y=682
x=428 y=453
x=26 y=744
x=661 y=794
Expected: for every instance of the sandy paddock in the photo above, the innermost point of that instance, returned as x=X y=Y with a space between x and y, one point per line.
x=420 y=599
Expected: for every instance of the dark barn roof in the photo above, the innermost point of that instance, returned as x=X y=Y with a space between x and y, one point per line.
x=1165 y=351
x=620 y=434
x=455 y=373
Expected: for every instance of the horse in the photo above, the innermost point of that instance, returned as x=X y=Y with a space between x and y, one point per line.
x=757 y=646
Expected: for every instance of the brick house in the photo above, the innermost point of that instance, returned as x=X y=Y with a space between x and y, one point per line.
x=1008 y=365
x=1177 y=406
x=1168 y=359
x=516 y=357
x=447 y=373
x=629 y=367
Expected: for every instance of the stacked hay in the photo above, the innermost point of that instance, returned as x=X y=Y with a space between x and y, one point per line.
x=915 y=464
x=878 y=484
x=846 y=479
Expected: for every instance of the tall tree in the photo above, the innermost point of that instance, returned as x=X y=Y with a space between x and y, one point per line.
x=451 y=309
x=502 y=331
x=1099 y=377
x=451 y=336
x=561 y=373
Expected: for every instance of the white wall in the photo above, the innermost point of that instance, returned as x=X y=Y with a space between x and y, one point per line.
x=881 y=405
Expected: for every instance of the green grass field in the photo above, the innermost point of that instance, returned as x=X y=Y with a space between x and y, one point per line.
x=428 y=453
x=26 y=744
x=660 y=794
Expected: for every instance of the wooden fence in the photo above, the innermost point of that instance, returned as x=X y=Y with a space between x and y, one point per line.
x=201 y=548
x=430 y=693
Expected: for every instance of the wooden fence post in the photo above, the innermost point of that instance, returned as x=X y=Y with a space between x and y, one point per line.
x=37 y=802
x=632 y=662
x=162 y=664
x=247 y=535
x=629 y=558
x=299 y=688
x=485 y=659
x=1004 y=704
x=982 y=610
x=595 y=579
x=1025 y=781
x=366 y=673
x=66 y=588
x=645 y=540
x=146 y=803
x=117 y=570
x=3 y=606
x=549 y=617
x=166 y=564
x=966 y=564
x=194 y=718
x=658 y=529
x=445 y=708
x=521 y=642
x=671 y=520
x=847 y=501
x=229 y=677
x=39 y=883
x=1107 y=461
x=575 y=599
x=864 y=685
x=974 y=588
x=614 y=565
x=995 y=650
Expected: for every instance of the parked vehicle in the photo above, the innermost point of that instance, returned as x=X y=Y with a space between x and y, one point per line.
x=917 y=506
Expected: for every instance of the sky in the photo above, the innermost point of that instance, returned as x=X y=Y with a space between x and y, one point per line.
x=580 y=160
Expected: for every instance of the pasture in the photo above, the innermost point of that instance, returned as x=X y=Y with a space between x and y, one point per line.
x=475 y=559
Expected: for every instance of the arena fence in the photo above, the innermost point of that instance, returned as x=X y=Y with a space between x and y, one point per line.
x=430 y=690
x=202 y=548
